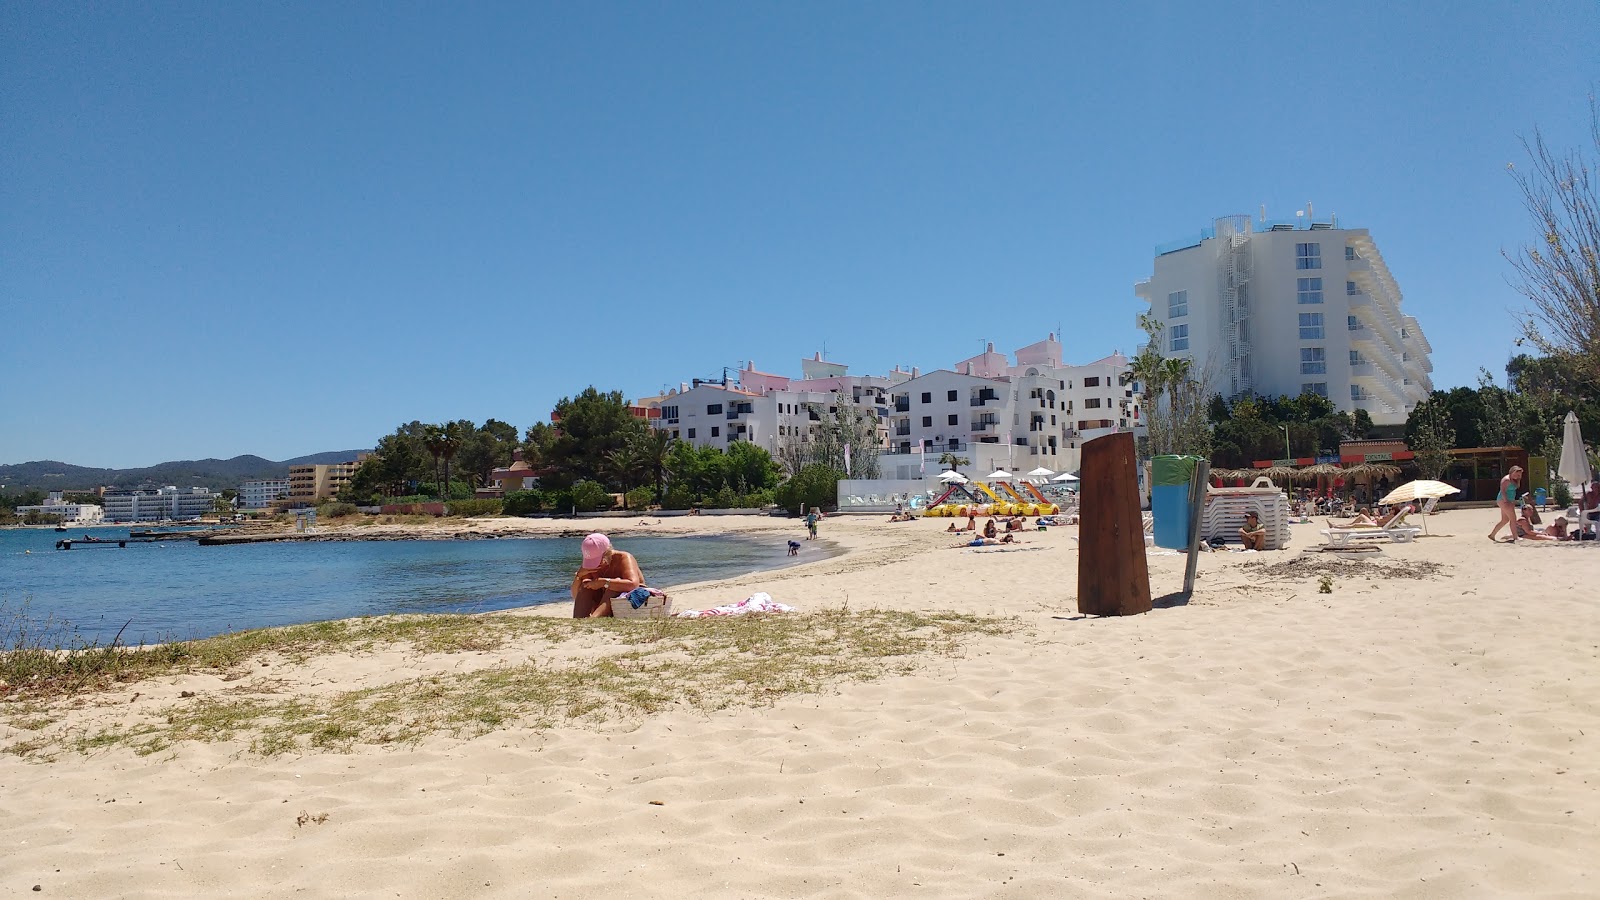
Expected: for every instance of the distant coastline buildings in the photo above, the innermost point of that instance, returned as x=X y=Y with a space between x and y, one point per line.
x=158 y=504
x=1035 y=411
x=261 y=494
x=1289 y=308
x=309 y=484
x=70 y=513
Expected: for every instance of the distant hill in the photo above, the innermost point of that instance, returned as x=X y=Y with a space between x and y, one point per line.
x=217 y=474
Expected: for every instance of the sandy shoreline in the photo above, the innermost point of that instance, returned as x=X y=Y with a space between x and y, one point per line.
x=1416 y=732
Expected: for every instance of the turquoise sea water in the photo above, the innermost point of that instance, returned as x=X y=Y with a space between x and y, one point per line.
x=177 y=589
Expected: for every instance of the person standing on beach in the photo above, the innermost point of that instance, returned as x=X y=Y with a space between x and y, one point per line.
x=1506 y=499
x=604 y=575
x=811 y=522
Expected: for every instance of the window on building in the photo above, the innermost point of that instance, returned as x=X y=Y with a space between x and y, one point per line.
x=1094 y=381
x=1308 y=256
x=1355 y=392
x=1350 y=289
x=950 y=395
x=691 y=434
x=954 y=419
x=927 y=421
x=670 y=412
x=1349 y=253
x=1353 y=322
x=1092 y=403
x=1308 y=290
x=716 y=431
x=1180 y=339
x=927 y=396
x=713 y=409
x=1320 y=388
x=1311 y=326
x=1313 y=361
x=1355 y=357
x=1177 y=304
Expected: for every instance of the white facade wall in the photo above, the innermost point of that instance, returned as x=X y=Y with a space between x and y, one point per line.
x=70 y=513
x=260 y=494
x=1291 y=309
x=147 y=505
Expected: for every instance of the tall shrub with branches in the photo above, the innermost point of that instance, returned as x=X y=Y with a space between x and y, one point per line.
x=1559 y=272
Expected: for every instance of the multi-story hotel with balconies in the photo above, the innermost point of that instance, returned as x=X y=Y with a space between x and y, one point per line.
x=1289 y=308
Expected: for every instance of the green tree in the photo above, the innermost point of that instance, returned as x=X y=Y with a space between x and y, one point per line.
x=1431 y=437
x=953 y=461
x=485 y=448
x=587 y=428
x=815 y=485
x=433 y=440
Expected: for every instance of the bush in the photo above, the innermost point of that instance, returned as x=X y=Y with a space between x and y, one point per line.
x=475 y=507
x=1560 y=494
x=722 y=499
x=589 y=496
x=522 y=503
x=816 y=485
x=639 y=498
x=677 y=497
x=336 y=510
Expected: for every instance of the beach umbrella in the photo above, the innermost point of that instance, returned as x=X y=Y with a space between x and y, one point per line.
x=1000 y=475
x=1574 y=468
x=1421 y=489
x=1065 y=478
x=953 y=477
x=1040 y=472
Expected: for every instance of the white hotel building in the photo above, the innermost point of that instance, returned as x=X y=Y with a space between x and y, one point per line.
x=260 y=494
x=1284 y=309
x=150 y=505
x=1037 y=412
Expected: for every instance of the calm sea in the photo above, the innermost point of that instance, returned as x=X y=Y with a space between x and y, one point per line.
x=177 y=589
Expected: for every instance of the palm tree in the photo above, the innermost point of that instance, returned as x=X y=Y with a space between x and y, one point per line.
x=624 y=465
x=433 y=442
x=954 y=462
x=653 y=449
x=450 y=444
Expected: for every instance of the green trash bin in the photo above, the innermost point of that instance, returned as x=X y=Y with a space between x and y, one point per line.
x=1169 y=499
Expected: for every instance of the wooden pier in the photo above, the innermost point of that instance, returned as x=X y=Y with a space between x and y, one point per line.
x=220 y=540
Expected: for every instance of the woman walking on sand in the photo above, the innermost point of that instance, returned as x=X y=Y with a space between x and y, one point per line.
x=1506 y=499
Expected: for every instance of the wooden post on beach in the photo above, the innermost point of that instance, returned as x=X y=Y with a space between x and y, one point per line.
x=1113 y=578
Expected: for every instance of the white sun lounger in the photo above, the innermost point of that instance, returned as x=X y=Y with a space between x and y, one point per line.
x=1396 y=531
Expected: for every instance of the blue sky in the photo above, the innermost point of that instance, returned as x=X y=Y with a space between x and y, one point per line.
x=286 y=228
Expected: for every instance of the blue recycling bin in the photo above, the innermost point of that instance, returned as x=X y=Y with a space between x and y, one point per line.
x=1538 y=497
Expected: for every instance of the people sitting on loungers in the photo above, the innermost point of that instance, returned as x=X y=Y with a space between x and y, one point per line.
x=1364 y=519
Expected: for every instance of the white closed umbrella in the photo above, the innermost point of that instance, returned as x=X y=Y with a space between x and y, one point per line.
x=1574 y=468
x=1000 y=475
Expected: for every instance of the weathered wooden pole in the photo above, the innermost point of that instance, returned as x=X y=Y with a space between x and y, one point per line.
x=1113 y=578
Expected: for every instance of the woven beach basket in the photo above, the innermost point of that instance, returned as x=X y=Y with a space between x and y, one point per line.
x=657 y=607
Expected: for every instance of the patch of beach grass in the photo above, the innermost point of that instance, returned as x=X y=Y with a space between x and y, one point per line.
x=629 y=669
x=47 y=660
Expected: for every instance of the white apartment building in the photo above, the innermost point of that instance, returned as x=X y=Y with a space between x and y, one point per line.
x=260 y=494
x=155 y=505
x=70 y=513
x=1287 y=308
x=1036 y=412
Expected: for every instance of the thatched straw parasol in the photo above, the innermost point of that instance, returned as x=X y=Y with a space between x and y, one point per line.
x=1376 y=470
x=1321 y=469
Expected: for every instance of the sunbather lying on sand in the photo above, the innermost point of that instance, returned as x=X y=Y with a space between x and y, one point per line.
x=981 y=541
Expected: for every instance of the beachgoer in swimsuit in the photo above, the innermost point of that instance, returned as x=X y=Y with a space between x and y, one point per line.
x=1506 y=499
x=604 y=575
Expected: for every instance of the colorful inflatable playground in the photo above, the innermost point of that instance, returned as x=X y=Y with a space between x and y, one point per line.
x=974 y=498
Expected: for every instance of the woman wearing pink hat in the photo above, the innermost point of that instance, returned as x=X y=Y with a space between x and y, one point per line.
x=606 y=574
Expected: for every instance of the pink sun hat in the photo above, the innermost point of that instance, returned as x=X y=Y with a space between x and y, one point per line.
x=594 y=550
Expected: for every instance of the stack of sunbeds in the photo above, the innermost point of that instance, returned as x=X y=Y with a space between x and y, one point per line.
x=1224 y=512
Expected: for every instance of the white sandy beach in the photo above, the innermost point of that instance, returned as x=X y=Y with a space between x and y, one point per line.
x=1435 y=736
